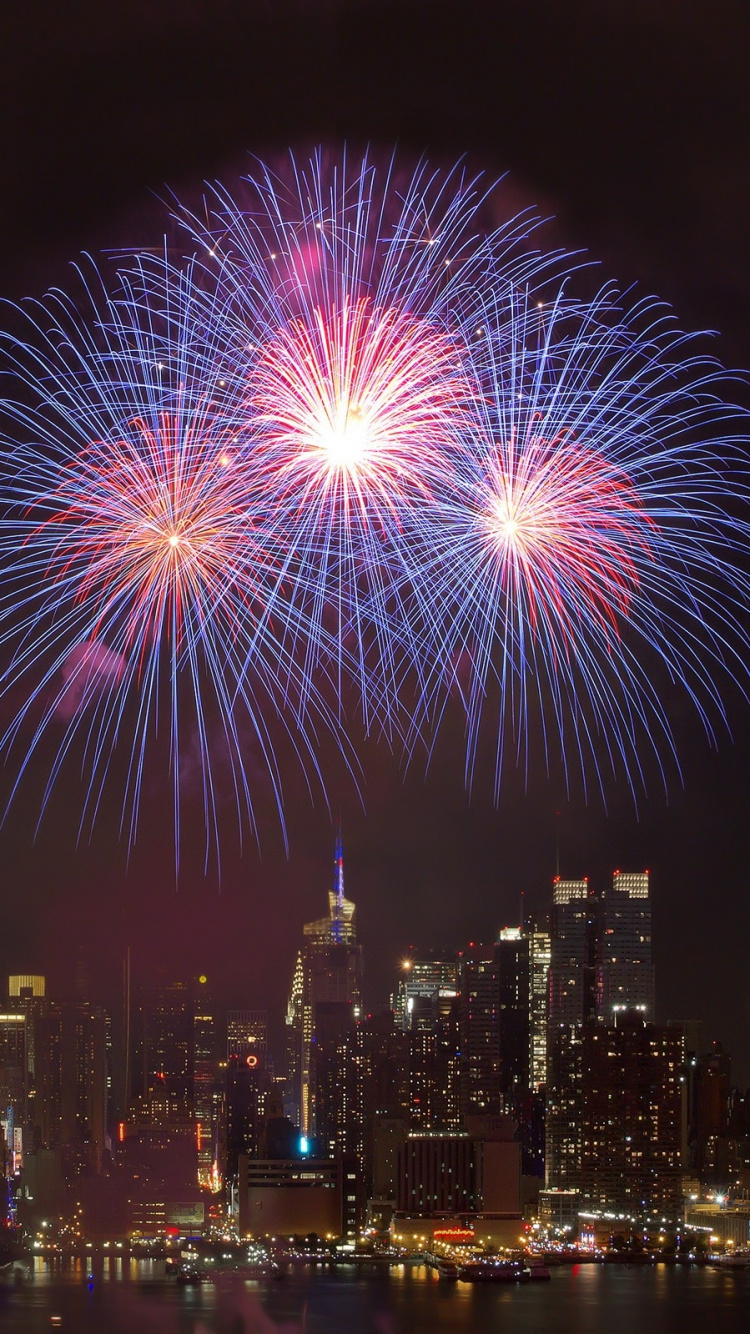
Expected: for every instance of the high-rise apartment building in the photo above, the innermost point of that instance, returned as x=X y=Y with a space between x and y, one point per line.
x=631 y=1134
x=614 y=1128
x=481 y=1081
x=564 y=1112
x=625 y=972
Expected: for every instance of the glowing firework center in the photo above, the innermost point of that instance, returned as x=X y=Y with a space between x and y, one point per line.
x=361 y=396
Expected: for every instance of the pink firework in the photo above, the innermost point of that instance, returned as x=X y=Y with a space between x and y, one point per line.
x=153 y=527
x=561 y=522
x=358 y=411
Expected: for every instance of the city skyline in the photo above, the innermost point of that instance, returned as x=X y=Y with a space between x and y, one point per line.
x=490 y=1111
x=241 y=999
x=542 y=1040
x=655 y=185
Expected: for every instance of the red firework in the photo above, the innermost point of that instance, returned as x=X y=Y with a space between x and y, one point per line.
x=358 y=409
x=567 y=531
x=152 y=531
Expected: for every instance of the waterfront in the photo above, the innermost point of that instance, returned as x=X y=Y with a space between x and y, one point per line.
x=124 y=1297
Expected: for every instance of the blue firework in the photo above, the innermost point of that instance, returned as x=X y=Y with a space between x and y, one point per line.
x=140 y=592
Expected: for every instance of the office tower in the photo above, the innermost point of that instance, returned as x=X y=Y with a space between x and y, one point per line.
x=26 y=986
x=480 y=1031
x=522 y=955
x=247 y=1087
x=435 y=1063
x=571 y=1003
x=13 y=1086
x=711 y=1081
x=70 y=1083
x=378 y=1056
x=293 y=1043
x=564 y=1114
x=625 y=970
x=540 y=958
x=247 y=1034
x=330 y=972
x=163 y=1063
x=206 y=1100
x=332 y=1102
x=511 y=954
x=569 y=952
x=431 y=975
x=280 y=1137
x=248 y=1082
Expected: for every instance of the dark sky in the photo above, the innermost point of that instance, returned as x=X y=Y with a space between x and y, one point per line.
x=627 y=120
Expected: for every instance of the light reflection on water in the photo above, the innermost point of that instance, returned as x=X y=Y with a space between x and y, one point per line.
x=120 y=1295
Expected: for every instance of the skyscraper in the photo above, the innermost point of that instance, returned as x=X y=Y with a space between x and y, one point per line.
x=163 y=1066
x=432 y=975
x=511 y=954
x=247 y=1034
x=205 y=1079
x=293 y=1043
x=631 y=1133
x=625 y=973
x=330 y=971
x=248 y=1082
x=572 y=951
x=70 y=1082
x=569 y=954
x=540 y=958
x=480 y=1031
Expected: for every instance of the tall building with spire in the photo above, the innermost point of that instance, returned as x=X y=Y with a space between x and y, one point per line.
x=326 y=997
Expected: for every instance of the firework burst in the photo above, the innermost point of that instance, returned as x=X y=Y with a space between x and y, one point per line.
x=346 y=287
x=138 y=582
x=341 y=452
x=592 y=552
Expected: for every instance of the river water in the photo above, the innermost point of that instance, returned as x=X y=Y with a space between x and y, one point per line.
x=133 y=1298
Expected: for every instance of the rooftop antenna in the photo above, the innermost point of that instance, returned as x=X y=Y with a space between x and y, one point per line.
x=338 y=887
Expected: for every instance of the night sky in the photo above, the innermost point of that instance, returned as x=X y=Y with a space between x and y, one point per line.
x=629 y=121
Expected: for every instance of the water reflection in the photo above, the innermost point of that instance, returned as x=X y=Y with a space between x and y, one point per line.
x=106 y=1294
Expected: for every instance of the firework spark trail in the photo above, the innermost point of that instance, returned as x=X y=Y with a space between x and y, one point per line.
x=347 y=285
x=129 y=531
x=356 y=422
x=590 y=542
x=341 y=451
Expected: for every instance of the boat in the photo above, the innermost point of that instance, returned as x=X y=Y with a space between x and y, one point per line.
x=538 y=1270
x=494 y=1271
x=734 y=1263
x=188 y=1277
x=447 y=1269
